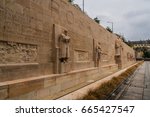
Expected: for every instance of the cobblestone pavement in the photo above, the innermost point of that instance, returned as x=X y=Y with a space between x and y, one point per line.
x=140 y=86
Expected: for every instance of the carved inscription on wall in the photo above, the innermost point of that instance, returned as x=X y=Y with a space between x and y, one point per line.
x=12 y=52
x=55 y=11
x=70 y=17
x=55 y=6
x=23 y=25
x=81 y=56
x=38 y=2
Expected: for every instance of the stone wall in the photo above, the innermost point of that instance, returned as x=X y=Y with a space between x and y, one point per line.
x=33 y=55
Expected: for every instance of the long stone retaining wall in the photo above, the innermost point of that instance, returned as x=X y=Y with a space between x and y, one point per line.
x=49 y=48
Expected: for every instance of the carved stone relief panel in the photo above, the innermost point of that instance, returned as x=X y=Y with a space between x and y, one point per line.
x=12 y=52
x=104 y=57
x=81 y=56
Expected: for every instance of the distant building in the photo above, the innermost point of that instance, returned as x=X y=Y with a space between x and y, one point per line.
x=139 y=47
x=139 y=44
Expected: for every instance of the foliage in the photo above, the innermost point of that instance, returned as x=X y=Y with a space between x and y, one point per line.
x=124 y=40
x=146 y=53
x=107 y=28
x=77 y=6
x=71 y=1
x=96 y=20
x=145 y=50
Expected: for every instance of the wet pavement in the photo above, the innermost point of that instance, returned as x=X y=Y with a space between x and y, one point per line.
x=139 y=88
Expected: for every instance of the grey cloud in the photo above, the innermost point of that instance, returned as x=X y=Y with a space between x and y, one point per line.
x=130 y=17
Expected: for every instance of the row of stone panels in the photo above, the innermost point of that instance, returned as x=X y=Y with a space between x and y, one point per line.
x=41 y=87
x=51 y=86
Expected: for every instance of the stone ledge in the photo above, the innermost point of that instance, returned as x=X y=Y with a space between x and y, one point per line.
x=18 y=64
x=42 y=77
x=19 y=89
x=110 y=65
x=25 y=87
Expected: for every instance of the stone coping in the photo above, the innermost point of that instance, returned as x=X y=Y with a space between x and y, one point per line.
x=109 y=65
x=19 y=64
x=5 y=83
x=104 y=60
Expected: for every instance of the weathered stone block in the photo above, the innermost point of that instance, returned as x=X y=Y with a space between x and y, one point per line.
x=24 y=3
x=3 y=92
x=49 y=82
x=67 y=85
x=63 y=79
x=27 y=96
x=55 y=89
x=25 y=87
x=43 y=93
x=2 y=3
x=12 y=5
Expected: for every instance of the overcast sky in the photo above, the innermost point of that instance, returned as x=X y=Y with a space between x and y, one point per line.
x=131 y=18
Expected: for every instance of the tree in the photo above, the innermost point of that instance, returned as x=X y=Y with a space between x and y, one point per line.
x=71 y=1
x=146 y=53
x=96 y=20
x=107 y=28
x=77 y=6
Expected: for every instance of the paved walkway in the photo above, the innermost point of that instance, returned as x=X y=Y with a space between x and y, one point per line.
x=140 y=86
